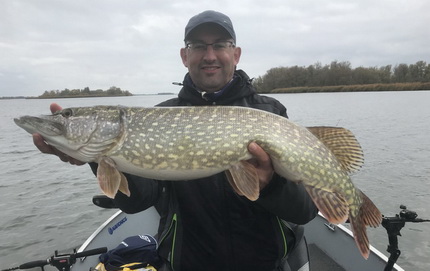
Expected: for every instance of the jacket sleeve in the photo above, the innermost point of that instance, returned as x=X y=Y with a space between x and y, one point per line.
x=143 y=193
x=288 y=200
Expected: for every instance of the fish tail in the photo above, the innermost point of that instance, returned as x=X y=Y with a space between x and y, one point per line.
x=368 y=215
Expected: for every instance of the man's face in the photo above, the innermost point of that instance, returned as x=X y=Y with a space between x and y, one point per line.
x=210 y=69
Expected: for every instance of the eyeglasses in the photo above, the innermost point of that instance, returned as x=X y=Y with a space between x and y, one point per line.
x=216 y=46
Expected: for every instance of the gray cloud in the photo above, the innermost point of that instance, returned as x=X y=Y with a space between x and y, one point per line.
x=57 y=44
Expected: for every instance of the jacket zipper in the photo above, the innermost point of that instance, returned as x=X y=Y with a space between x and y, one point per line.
x=173 y=226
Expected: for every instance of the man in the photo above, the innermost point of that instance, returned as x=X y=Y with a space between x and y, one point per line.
x=204 y=224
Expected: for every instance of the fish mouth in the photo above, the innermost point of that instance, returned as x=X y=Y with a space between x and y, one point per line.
x=39 y=125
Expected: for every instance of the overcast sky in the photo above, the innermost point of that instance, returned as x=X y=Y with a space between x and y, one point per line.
x=134 y=44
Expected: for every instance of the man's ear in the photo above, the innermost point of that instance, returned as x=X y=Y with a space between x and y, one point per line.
x=237 y=53
x=184 y=56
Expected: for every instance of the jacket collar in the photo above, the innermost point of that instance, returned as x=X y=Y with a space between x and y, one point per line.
x=239 y=87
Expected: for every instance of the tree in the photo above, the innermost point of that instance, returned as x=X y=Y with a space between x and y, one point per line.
x=340 y=73
x=417 y=72
x=401 y=73
x=385 y=74
x=114 y=91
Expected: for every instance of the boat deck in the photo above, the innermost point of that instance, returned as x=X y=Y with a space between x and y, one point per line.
x=321 y=261
x=332 y=247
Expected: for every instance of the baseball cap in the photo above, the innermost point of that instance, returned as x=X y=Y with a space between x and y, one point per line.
x=210 y=16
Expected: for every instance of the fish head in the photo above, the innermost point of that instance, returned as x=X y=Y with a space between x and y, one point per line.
x=84 y=133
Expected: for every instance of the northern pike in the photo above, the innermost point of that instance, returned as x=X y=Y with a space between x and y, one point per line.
x=183 y=143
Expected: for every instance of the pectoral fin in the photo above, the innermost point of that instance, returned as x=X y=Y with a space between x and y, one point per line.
x=123 y=186
x=110 y=179
x=244 y=179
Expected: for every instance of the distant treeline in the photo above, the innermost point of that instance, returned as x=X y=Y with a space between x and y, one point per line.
x=86 y=92
x=339 y=76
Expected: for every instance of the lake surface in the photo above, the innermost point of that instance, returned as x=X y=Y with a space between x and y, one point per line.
x=46 y=204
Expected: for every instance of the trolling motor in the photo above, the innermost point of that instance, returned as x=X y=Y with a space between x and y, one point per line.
x=62 y=262
x=393 y=225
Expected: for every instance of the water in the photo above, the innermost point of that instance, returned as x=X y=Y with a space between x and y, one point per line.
x=46 y=204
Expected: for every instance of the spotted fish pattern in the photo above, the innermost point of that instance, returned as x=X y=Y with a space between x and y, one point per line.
x=183 y=143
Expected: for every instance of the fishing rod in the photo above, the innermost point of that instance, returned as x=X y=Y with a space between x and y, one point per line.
x=393 y=225
x=62 y=262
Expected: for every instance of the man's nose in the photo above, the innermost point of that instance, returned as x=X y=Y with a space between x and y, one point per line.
x=209 y=53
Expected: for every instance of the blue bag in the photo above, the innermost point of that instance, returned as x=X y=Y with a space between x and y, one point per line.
x=134 y=249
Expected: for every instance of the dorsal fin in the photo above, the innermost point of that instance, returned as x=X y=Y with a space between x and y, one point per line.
x=343 y=144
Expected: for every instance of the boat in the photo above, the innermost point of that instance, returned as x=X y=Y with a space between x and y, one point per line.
x=324 y=246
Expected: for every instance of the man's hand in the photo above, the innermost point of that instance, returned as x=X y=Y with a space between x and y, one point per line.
x=262 y=163
x=45 y=148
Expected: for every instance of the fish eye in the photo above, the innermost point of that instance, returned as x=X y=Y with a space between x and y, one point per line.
x=67 y=113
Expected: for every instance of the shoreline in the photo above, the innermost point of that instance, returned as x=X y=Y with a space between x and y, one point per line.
x=416 y=86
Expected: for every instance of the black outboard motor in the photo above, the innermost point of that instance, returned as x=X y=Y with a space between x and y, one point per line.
x=393 y=225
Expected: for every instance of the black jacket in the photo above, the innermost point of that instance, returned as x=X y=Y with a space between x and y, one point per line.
x=204 y=224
